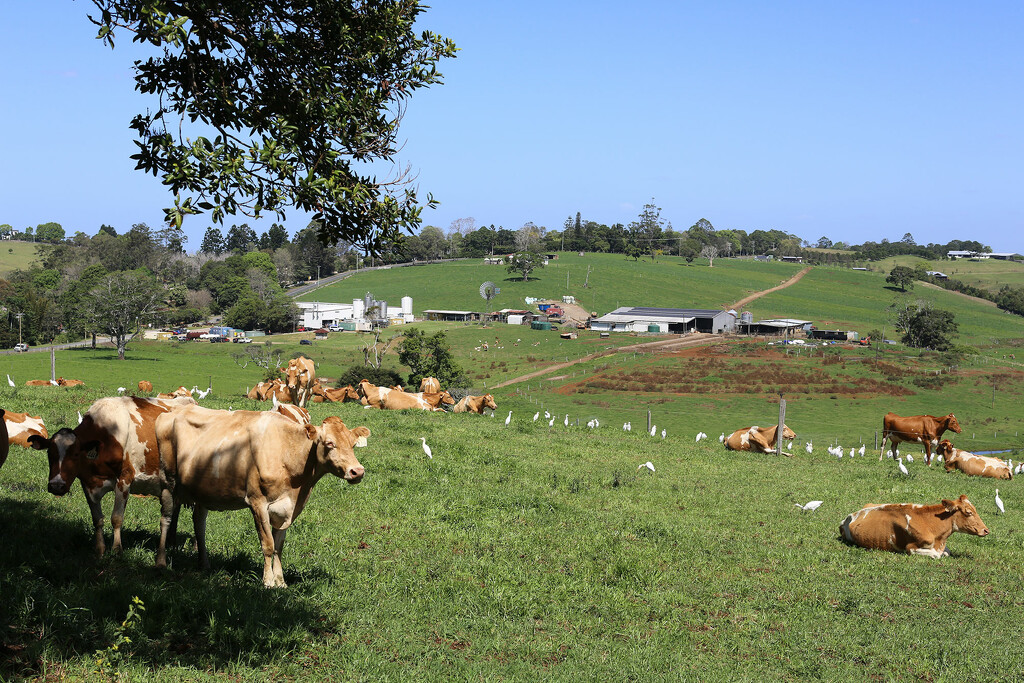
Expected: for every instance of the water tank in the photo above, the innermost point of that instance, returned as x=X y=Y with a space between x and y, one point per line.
x=538 y=325
x=654 y=327
x=407 y=305
x=382 y=309
x=367 y=301
x=358 y=308
x=747 y=317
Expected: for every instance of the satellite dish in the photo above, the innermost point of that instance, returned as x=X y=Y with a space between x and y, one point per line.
x=488 y=291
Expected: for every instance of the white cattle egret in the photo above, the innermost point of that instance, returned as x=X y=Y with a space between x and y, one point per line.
x=79 y=418
x=203 y=394
x=629 y=426
x=546 y=414
x=789 y=446
x=566 y=420
x=624 y=426
x=1009 y=462
x=903 y=468
x=654 y=429
x=509 y=418
x=663 y=433
x=999 y=503
x=120 y=390
x=10 y=381
x=426 y=448
x=649 y=465
x=910 y=458
x=54 y=383
x=810 y=507
x=809 y=447
x=861 y=451
x=551 y=423
x=721 y=438
x=536 y=415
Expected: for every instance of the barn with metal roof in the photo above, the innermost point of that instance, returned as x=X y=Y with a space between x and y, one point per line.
x=671 y=320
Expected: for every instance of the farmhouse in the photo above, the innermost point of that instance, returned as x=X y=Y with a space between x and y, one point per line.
x=938 y=275
x=672 y=320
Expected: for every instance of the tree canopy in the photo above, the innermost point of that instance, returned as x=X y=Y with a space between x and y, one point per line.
x=267 y=106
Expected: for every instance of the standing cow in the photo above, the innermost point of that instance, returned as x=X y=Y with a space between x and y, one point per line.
x=922 y=429
x=912 y=529
x=269 y=463
x=112 y=448
x=301 y=374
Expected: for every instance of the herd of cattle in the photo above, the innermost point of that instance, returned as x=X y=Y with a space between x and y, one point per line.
x=172 y=448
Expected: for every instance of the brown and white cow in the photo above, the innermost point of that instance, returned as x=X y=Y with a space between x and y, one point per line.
x=371 y=394
x=180 y=392
x=5 y=447
x=969 y=463
x=293 y=412
x=475 y=404
x=301 y=373
x=339 y=395
x=922 y=429
x=757 y=439
x=145 y=386
x=20 y=426
x=113 y=448
x=911 y=528
x=69 y=382
x=400 y=400
x=430 y=385
x=216 y=460
x=41 y=383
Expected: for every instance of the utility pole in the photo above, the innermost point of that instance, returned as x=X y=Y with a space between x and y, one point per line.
x=19 y=316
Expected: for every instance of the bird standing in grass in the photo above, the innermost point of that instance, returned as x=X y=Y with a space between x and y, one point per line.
x=999 y=503
x=536 y=415
x=809 y=447
x=663 y=432
x=566 y=420
x=649 y=465
x=721 y=438
x=10 y=381
x=509 y=418
x=903 y=468
x=426 y=448
x=654 y=429
x=810 y=507
x=552 y=422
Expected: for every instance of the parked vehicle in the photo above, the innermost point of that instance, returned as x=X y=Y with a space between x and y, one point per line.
x=218 y=340
x=305 y=342
x=21 y=348
x=242 y=340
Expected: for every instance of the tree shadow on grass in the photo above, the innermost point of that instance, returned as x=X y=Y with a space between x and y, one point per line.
x=59 y=603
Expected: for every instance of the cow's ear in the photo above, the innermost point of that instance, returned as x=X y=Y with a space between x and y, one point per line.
x=40 y=443
x=361 y=434
x=950 y=505
x=91 y=450
x=311 y=432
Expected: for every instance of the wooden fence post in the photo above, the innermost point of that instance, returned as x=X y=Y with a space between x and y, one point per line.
x=781 y=428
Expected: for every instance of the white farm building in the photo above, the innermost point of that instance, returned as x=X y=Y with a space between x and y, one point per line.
x=670 y=320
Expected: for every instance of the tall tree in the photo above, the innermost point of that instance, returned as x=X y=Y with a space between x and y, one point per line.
x=524 y=262
x=647 y=229
x=301 y=96
x=213 y=241
x=120 y=303
x=901 y=276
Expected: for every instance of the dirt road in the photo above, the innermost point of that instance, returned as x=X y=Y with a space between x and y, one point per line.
x=757 y=295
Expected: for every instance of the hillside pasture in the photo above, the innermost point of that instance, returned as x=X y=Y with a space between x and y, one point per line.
x=990 y=274
x=16 y=255
x=521 y=552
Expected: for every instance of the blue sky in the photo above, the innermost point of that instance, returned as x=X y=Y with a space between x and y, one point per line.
x=855 y=121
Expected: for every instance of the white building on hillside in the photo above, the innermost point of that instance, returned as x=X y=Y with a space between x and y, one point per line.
x=318 y=314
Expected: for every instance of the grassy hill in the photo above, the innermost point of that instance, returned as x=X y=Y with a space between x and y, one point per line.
x=989 y=274
x=613 y=281
x=15 y=255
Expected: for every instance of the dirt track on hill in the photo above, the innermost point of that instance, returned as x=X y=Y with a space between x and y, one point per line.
x=757 y=295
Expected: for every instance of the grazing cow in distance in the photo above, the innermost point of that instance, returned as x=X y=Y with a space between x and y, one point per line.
x=145 y=386
x=400 y=400
x=756 y=439
x=218 y=460
x=922 y=429
x=21 y=426
x=430 y=385
x=910 y=528
x=5 y=447
x=113 y=447
x=475 y=404
x=301 y=374
x=969 y=463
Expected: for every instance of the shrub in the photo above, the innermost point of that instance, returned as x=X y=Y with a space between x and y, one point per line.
x=382 y=377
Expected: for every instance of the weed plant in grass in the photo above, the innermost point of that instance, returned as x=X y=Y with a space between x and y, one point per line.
x=525 y=552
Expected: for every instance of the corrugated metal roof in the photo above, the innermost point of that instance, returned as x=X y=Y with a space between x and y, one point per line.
x=666 y=312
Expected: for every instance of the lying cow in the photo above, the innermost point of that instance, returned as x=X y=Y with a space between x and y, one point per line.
x=400 y=400
x=61 y=382
x=21 y=426
x=370 y=394
x=910 y=528
x=756 y=439
x=218 y=460
x=112 y=448
x=969 y=463
x=475 y=404
x=180 y=392
x=293 y=413
x=923 y=429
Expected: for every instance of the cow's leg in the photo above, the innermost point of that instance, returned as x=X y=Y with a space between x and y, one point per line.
x=928 y=452
x=167 y=505
x=199 y=514
x=96 y=510
x=265 y=531
x=117 y=514
x=279 y=536
x=881 y=451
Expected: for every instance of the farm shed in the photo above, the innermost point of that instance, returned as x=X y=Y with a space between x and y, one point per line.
x=792 y=259
x=672 y=320
x=776 y=326
x=452 y=316
x=834 y=335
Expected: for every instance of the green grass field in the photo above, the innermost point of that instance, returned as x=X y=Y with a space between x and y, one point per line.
x=534 y=552
x=614 y=281
x=988 y=274
x=15 y=255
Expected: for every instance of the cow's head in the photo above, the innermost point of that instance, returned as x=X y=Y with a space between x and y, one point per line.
x=65 y=452
x=946 y=450
x=446 y=399
x=788 y=433
x=335 y=447
x=350 y=393
x=965 y=516
x=489 y=402
x=953 y=424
